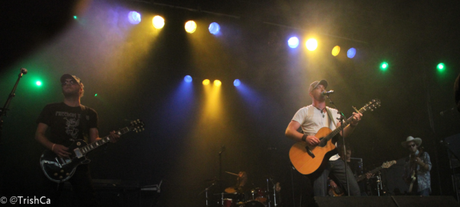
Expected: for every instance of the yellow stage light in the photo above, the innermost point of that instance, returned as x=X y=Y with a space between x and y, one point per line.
x=158 y=22
x=336 y=50
x=190 y=26
x=206 y=82
x=217 y=83
x=311 y=44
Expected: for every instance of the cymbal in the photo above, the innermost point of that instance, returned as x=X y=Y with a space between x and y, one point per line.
x=230 y=190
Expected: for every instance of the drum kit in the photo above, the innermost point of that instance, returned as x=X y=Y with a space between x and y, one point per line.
x=237 y=196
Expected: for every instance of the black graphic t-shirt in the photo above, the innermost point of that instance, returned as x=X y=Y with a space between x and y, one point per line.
x=67 y=123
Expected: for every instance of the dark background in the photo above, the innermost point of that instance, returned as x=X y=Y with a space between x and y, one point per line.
x=138 y=72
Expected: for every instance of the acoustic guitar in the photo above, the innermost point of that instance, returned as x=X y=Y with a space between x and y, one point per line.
x=307 y=159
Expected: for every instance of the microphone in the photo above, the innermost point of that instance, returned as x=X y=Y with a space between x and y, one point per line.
x=23 y=71
x=222 y=149
x=326 y=93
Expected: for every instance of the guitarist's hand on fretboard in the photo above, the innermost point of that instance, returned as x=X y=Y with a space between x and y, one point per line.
x=356 y=118
x=114 y=137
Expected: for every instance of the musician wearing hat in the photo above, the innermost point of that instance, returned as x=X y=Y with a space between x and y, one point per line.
x=417 y=167
x=313 y=118
x=60 y=125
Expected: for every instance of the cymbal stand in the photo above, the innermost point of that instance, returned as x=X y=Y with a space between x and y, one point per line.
x=206 y=193
x=379 y=184
x=268 y=193
x=274 y=196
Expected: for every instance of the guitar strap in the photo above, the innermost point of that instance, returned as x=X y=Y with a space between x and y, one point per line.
x=331 y=120
x=84 y=124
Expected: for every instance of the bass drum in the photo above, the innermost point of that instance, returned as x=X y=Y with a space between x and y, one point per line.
x=253 y=204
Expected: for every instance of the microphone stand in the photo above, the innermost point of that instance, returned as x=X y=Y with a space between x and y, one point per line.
x=222 y=149
x=342 y=117
x=8 y=101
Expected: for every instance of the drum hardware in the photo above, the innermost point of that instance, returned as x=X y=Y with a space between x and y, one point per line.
x=235 y=174
x=206 y=190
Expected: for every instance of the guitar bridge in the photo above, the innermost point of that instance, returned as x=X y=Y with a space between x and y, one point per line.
x=310 y=152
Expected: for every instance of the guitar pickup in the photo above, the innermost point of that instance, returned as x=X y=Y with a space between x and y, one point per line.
x=78 y=153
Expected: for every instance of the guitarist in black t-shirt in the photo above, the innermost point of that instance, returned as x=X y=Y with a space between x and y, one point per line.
x=67 y=122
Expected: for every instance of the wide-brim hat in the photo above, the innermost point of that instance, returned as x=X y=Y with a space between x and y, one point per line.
x=315 y=84
x=416 y=140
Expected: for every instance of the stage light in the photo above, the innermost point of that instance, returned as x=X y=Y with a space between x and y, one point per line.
x=293 y=42
x=384 y=66
x=206 y=82
x=335 y=50
x=75 y=17
x=217 y=83
x=38 y=83
x=351 y=53
x=214 y=28
x=95 y=95
x=190 y=26
x=440 y=67
x=311 y=44
x=158 y=22
x=188 y=78
x=134 y=17
x=237 y=82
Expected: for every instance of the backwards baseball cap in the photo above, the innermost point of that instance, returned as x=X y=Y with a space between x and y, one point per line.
x=315 y=84
x=68 y=76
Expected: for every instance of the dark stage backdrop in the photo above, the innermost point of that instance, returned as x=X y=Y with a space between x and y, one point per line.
x=194 y=132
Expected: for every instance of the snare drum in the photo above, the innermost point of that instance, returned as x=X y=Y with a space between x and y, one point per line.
x=232 y=199
x=259 y=194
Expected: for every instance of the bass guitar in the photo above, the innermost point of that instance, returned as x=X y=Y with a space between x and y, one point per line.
x=307 y=159
x=60 y=169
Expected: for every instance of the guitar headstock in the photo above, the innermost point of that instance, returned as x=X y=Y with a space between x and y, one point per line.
x=388 y=164
x=137 y=125
x=373 y=104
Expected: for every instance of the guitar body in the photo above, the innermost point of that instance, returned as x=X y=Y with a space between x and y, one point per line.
x=307 y=159
x=303 y=161
x=59 y=169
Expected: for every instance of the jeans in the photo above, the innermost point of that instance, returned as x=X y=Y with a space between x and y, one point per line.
x=336 y=171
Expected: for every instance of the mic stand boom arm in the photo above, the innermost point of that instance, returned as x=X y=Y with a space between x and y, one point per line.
x=8 y=101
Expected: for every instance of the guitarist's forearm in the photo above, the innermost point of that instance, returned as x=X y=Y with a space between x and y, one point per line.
x=44 y=141
x=294 y=135
x=347 y=131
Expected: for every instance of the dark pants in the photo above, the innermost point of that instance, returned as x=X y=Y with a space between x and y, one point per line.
x=336 y=171
x=424 y=192
x=82 y=189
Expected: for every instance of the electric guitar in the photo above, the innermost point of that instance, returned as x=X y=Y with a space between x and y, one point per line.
x=384 y=165
x=60 y=169
x=307 y=159
x=336 y=191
